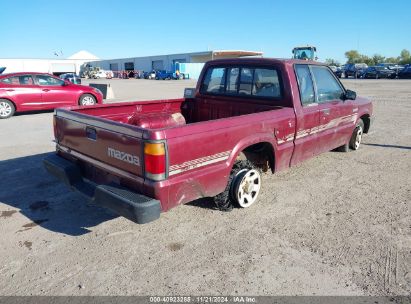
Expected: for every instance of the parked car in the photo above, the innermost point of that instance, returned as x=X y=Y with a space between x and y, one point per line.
x=379 y=72
x=391 y=66
x=342 y=67
x=38 y=91
x=145 y=75
x=355 y=70
x=143 y=158
x=73 y=78
x=336 y=70
x=152 y=74
x=397 y=69
x=138 y=74
x=103 y=74
x=405 y=73
x=164 y=75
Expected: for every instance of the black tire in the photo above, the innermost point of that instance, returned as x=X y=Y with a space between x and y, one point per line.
x=226 y=200
x=7 y=109
x=87 y=100
x=345 y=75
x=356 y=137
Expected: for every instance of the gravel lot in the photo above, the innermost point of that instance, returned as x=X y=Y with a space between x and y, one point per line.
x=339 y=224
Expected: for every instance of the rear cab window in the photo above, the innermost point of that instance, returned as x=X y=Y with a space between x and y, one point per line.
x=214 y=81
x=232 y=80
x=245 y=81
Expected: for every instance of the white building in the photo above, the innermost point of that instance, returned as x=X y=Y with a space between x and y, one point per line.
x=192 y=62
x=53 y=66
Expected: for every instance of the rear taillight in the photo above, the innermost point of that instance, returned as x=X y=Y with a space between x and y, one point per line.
x=155 y=161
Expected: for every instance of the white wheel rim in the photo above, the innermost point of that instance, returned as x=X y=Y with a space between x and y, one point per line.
x=248 y=189
x=87 y=101
x=5 y=109
x=358 y=138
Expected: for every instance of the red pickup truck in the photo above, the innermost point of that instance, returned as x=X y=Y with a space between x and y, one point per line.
x=244 y=117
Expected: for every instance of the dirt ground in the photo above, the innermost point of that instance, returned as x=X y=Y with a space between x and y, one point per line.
x=339 y=224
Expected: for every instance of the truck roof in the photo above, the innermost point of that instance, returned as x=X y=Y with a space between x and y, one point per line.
x=262 y=61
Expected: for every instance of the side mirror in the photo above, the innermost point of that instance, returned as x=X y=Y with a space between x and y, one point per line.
x=66 y=83
x=351 y=95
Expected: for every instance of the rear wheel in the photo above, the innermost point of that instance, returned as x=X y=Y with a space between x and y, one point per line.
x=87 y=100
x=356 y=136
x=242 y=189
x=247 y=187
x=7 y=109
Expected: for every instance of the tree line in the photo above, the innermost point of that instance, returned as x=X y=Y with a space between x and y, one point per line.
x=353 y=56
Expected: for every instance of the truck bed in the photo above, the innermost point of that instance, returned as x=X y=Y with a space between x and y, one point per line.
x=109 y=147
x=160 y=114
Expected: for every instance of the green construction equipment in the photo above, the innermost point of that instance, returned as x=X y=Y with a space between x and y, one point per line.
x=305 y=52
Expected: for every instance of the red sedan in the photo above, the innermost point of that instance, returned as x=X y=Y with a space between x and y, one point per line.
x=38 y=91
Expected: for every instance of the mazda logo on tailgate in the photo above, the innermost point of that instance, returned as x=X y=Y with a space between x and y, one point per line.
x=123 y=156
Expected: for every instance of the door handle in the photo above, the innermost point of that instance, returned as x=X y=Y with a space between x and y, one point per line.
x=326 y=111
x=45 y=90
x=10 y=90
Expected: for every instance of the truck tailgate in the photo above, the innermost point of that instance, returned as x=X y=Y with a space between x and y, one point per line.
x=112 y=143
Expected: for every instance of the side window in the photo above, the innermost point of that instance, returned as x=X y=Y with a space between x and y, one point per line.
x=232 y=80
x=305 y=84
x=266 y=83
x=46 y=80
x=214 y=81
x=26 y=80
x=246 y=81
x=14 y=80
x=327 y=86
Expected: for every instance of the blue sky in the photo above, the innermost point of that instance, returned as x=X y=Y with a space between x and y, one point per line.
x=115 y=29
